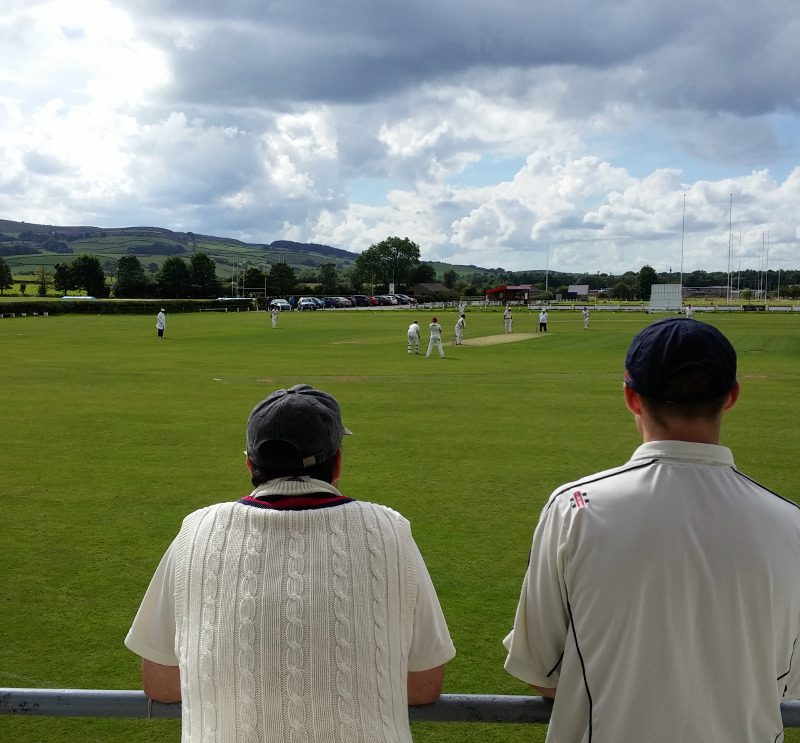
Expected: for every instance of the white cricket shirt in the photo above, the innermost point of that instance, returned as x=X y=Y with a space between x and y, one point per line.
x=662 y=598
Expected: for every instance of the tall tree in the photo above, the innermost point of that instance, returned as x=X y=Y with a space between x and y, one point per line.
x=424 y=273
x=173 y=278
x=449 y=278
x=620 y=290
x=254 y=278
x=389 y=261
x=86 y=273
x=328 y=278
x=282 y=279
x=131 y=278
x=646 y=278
x=43 y=279
x=203 y=276
x=399 y=255
x=62 y=277
x=368 y=269
x=6 y=279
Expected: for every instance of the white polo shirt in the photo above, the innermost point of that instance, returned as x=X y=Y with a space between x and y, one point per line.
x=662 y=598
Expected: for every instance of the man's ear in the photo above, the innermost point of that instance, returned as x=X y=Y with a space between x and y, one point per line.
x=249 y=465
x=733 y=396
x=632 y=399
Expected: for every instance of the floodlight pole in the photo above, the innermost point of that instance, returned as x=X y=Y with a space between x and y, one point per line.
x=683 y=232
x=730 y=234
x=547 y=269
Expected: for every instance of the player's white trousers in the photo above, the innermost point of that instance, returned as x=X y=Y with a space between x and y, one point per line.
x=413 y=343
x=435 y=341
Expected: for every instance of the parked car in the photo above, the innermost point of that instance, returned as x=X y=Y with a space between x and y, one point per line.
x=337 y=302
x=307 y=303
x=360 y=300
x=281 y=304
x=383 y=300
x=405 y=299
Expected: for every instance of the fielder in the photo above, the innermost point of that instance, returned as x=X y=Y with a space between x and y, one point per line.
x=543 y=321
x=274 y=317
x=461 y=323
x=662 y=600
x=585 y=316
x=508 y=321
x=436 y=338
x=413 y=337
x=689 y=311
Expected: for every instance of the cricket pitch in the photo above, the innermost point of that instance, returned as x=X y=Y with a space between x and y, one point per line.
x=493 y=340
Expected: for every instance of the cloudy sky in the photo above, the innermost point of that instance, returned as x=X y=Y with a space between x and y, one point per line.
x=585 y=135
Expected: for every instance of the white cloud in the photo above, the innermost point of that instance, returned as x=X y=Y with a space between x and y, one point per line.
x=503 y=134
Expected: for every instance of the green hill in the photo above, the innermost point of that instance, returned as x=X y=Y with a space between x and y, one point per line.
x=27 y=247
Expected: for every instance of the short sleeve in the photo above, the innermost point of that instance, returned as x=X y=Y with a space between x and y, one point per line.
x=537 y=641
x=152 y=634
x=431 y=645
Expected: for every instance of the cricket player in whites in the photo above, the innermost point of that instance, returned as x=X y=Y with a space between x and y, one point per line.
x=585 y=316
x=461 y=323
x=413 y=337
x=274 y=314
x=508 y=320
x=436 y=338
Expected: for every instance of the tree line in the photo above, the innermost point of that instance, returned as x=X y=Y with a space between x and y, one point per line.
x=393 y=261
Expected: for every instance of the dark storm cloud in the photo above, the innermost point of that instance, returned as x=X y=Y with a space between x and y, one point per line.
x=730 y=56
x=247 y=53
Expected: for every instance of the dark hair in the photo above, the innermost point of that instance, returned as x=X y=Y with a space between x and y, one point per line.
x=281 y=451
x=664 y=412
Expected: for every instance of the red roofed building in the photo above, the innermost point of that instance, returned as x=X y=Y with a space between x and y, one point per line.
x=505 y=294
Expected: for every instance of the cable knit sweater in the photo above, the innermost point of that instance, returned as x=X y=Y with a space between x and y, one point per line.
x=295 y=615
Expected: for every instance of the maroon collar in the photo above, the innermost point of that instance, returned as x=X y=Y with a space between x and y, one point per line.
x=296 y=502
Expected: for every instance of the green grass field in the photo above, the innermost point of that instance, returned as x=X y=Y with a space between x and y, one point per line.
x=109 y=437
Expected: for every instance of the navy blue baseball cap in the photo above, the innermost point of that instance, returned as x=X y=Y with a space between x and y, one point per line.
x=306 y=419
x=678 y=360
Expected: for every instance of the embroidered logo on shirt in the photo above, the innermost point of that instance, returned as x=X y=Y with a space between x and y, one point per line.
x=579 y=500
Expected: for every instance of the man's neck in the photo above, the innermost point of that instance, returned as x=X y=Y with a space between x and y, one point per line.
x=698 y=432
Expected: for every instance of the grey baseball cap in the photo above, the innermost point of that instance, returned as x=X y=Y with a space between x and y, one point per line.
x=306 y=419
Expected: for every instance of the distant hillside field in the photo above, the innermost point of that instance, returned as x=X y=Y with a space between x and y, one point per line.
x=26 y=247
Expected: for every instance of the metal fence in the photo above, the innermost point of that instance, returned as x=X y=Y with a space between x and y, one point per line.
x=134 y=704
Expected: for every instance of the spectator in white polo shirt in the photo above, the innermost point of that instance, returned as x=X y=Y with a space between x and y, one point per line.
x=662 y=598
